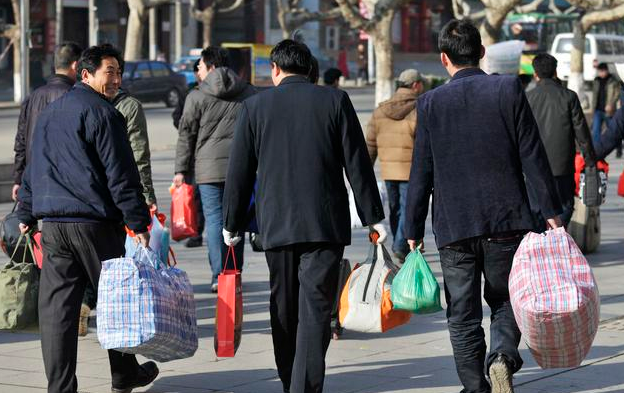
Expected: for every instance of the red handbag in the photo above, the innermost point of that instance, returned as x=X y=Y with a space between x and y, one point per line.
x=229 y=314
x=183 y=212
x=621 y=185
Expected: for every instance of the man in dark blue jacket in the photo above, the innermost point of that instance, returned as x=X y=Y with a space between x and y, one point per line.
x=476 y=140
x=612 y=137
x=83 y=182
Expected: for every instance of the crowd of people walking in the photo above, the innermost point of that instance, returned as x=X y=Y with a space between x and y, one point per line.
x=497 y=161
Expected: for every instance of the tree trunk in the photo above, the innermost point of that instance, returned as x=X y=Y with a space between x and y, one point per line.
x=490 y=29
x=17 y=53
x=207 y=19
x=575 y=80
x=282 y=16
x=384 y=82
x=134 y=34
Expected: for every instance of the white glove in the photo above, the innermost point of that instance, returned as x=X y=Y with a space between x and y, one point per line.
x=381 y=230
x=230 y=238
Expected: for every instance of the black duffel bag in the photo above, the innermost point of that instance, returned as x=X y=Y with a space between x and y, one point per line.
x=9 y=236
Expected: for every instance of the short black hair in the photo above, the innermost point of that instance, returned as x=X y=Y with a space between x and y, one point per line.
x=65 y=54
x=196 y=66
x=91 y=58
x=215 y=56
x=460 y=40
x=545 y=66
x=603 y=66
x=313 y=75
x=292 y=57
x=331 y=76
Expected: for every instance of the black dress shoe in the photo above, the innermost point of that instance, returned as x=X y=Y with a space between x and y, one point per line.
x=194 y=242
x=147 y=374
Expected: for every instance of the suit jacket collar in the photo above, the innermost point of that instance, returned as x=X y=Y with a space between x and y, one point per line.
x=466 y=72
x=294 y=79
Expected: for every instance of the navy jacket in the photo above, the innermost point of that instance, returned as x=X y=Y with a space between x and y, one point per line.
x=612 y=137
x=299 y=138
x=475 y=142
x=81 y=166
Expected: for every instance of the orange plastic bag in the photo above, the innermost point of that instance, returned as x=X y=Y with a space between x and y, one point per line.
x=229 y=314
x=183 y=212
x=37 y=250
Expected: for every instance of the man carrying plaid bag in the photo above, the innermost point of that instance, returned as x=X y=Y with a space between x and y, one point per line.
x=83 y=182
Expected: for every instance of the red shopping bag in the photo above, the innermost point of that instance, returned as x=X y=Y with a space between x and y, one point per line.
x=621 y=185
x=183 y=212
x=229 y=315
x=37 y=251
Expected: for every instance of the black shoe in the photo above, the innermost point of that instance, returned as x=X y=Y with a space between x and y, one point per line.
x=501 y=376
x=147 y=374
x=194 y=242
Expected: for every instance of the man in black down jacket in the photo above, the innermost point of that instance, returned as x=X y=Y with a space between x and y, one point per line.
x=65 y=59
x=561 y=121
x=476 y=139
x=83 y=182
x=299 y=137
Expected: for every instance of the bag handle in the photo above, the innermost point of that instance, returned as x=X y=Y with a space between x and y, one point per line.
x=175 y=261
x=23 y=237
x=227 y=257
x=149 y=255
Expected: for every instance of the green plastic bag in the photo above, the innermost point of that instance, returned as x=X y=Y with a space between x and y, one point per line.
x=415 y=288
x=19 y=289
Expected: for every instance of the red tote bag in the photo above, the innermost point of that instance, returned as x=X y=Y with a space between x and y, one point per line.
x=37 y=250
x=229 y=316
x=621 y=185
x=183 y=212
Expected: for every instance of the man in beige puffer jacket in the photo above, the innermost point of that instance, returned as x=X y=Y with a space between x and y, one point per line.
x=390 y=135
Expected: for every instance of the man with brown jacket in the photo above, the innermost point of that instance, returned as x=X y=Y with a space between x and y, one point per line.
x=390 y=135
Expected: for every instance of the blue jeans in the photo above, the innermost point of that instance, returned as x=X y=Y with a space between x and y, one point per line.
x=212 y=204
x=600 y=117
x=397 y=199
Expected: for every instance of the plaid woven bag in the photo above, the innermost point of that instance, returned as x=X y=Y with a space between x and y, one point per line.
x=146 y=308
x=554 y=298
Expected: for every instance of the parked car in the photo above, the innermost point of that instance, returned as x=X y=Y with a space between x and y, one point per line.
x=153 y=81
x=184 y=66
x=599 y=48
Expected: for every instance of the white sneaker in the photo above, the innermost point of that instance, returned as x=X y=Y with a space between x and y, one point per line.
x=214 y=288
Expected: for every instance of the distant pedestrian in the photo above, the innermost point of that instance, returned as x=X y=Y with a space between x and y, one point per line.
x=84 y=183
x=362 y=64
x=561 y=123
x=390 y=135
x=605 y=94
x=476 y=141
x=65 y=58
x=204 y=144
x=296 y=139
x=331 y=77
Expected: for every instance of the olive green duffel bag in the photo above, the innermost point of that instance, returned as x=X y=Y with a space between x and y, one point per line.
x=19 y=289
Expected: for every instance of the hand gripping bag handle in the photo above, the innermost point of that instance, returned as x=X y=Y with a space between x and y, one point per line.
x=26 y=238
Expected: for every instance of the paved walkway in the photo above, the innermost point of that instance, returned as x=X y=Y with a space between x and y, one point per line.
x=412 y=358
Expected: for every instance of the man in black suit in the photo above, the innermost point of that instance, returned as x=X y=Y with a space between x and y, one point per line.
x=298 y=137
x=476 y=140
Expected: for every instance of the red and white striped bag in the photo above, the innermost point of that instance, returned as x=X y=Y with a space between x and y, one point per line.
x=554 y=298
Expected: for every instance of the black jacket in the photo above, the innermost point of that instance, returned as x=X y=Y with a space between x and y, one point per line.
x=207 y=125
x=82 y=167
x=561 y=121
x=299 y=137
x=476 y=139
x=31 y=107
x=612 y=137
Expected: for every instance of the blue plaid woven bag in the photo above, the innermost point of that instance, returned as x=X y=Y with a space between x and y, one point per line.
x=146 y=308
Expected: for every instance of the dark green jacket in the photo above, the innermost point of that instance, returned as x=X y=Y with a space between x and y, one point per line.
x=132 y=111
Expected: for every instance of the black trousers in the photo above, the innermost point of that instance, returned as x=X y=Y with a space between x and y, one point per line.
x=304 y=281
x=463 y=264
x=72 y=255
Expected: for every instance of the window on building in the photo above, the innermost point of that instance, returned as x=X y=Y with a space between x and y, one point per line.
x=332 y=37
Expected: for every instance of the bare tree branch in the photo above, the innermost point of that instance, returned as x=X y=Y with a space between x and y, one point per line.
x=531 y=7
x=605 y=15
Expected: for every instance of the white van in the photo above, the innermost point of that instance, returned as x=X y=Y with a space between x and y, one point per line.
x=599 y=48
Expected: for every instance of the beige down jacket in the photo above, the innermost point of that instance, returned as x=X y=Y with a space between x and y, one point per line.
x=390 y=134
